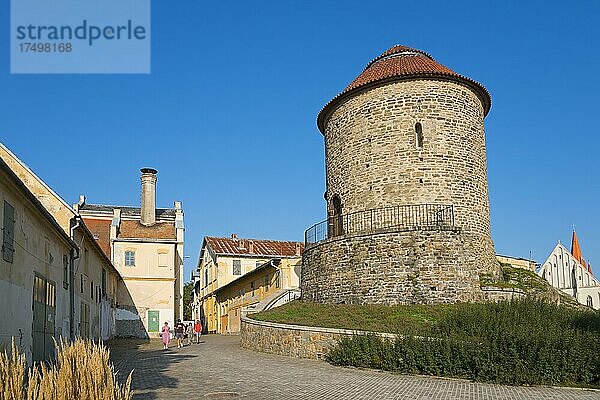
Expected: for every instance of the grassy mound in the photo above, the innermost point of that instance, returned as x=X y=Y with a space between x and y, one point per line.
x=518 y=342
x=534 y=286
x=374 y=318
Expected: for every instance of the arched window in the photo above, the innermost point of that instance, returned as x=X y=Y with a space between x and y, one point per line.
x=590 y=302
x=419 y=135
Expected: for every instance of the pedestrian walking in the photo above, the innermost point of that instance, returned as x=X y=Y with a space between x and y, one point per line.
x=179 y=331
x=190 y=333
x=198 y=330
x=166 y=335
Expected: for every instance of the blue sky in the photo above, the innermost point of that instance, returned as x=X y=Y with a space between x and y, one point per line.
x=227 y=115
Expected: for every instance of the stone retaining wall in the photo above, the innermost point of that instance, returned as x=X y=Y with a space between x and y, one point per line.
x=292 y=340
x=426 y=267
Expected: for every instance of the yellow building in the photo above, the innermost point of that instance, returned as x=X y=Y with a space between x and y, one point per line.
x=272 y=283
x=89 y=276
x=225 y=260
x=146 y=246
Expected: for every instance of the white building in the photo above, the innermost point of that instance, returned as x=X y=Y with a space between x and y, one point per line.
x=567 y=271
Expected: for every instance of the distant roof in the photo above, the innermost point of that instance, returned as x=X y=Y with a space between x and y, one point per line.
x=100 y=229
x=135 y=230
x=167 y=213
x=401 y=63
x=260 y=247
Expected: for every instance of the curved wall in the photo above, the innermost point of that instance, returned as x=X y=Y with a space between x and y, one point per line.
x=373 y=159
x=414 y=267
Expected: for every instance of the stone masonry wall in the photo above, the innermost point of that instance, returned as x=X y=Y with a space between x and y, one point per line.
x=372 y=158
x=291 y=340
x=410 y=267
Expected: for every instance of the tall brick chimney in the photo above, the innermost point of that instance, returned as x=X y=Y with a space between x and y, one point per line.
x=148 y=211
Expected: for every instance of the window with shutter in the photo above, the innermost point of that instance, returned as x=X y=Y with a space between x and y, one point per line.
x=8 y=233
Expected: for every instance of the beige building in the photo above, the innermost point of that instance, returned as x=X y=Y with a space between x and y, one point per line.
x=224 y=260
x=146 y=246
x=34 y=267
x=517 y=262
x=89 y=276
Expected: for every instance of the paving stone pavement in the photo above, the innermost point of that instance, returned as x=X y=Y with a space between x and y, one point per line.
x=219 y=369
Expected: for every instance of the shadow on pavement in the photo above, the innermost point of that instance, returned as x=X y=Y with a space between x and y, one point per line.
x=149 y=363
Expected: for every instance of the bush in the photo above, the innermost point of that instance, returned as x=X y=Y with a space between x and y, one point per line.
x=81 y=370
x=518 y=342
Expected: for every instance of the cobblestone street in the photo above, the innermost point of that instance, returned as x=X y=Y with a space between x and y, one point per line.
x=218 y=369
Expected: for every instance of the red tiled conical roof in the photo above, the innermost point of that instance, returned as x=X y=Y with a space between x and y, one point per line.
x=402 y=63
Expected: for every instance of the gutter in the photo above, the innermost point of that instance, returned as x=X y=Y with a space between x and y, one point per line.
x=75 y=254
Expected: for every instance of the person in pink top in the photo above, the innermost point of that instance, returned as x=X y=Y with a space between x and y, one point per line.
x=165 y=333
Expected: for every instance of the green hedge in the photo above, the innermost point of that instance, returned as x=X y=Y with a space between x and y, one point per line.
x=518 y=342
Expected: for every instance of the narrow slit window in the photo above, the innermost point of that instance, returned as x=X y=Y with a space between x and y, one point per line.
x=419 y=135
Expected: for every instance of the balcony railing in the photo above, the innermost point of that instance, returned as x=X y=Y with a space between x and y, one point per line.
x=401 y=218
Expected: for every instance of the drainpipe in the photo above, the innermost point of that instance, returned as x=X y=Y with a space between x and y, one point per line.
x=75 y=254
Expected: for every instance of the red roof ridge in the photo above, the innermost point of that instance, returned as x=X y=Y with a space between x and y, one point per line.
x=254 y=247
x=253 y=239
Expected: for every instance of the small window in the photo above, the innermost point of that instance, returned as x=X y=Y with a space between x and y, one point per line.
x=81 y=281
x=103 y=282
x=258 y=264
x=8 y=233
x=162 y=259
x=419 y=135
x=590 y=302
x=237 y=267
x=92 y=289
x=252 y=288
x=66 y=271
x=130 y=258
x=278 y=280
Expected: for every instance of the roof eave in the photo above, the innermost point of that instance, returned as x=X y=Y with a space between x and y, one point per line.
x=475 y=86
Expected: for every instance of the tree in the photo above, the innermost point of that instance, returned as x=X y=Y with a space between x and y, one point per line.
x=188 y=297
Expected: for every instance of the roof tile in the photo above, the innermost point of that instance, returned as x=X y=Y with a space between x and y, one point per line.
x=260 y=247
x=100 y=228
x=402 y=62
x=135 y=230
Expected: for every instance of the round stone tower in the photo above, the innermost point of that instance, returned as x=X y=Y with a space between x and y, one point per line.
x=407 y=192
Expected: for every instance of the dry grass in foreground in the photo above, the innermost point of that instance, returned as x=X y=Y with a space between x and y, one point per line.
x=82 y=370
